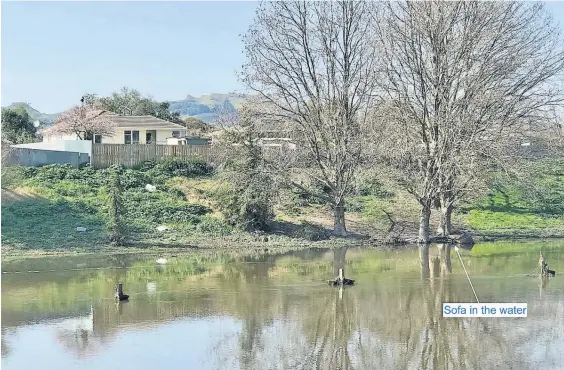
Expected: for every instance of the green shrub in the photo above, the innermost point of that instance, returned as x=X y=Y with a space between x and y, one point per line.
x=301 y=198
x=354 y=205
x=173 y=191
x=90 y=206
x=53 y=172
x=145 y=166
x=27 y=172
x=214 y=226
x=116 y=208
x=11 y=176
x=180 y=168
x=131 y=179
x=68 y=188
x=248 y=207
x=373 y=188
x=146 y=173
x=159 y=208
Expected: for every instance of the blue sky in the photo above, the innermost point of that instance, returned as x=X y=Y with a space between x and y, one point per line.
x=54 y=52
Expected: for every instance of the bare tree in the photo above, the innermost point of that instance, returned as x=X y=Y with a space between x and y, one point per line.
x=83 y=121
x=313 y=62
x=464 y=81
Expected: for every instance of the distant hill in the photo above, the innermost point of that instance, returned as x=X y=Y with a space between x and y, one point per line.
x=207 y=107
x=34 y=114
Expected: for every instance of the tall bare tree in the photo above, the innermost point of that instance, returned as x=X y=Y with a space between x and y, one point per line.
x=313 y=62
x=464 y=81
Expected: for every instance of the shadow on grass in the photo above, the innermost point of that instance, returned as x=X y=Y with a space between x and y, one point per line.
x=36 y=223
x=306 y=231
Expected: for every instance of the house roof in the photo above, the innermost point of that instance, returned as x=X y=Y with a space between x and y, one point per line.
x=144 y=122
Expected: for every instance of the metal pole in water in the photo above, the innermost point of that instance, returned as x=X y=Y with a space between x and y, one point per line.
x=467 y=276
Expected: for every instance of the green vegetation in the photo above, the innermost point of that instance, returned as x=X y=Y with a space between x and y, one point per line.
x=68 y=197
x=43 y=209
x=116 y=209
x=33 y=113
x=523 y=207
x=132 y=102
x=204 y=209
x=17 y=126
x=510 y=248
x=248 y=199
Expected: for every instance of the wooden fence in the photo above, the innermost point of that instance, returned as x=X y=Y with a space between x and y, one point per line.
x=130 y=155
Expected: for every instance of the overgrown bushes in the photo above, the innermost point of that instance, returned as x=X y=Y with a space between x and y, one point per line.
x=247 y=205
x=148 y=172
x=214 y=226
x=161 y=208
x=248 y=200
x=118 y=194
x=116 y=209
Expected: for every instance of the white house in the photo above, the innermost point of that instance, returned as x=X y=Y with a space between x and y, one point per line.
x=132 y=130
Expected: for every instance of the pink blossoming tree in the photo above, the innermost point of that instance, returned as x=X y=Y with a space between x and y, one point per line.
x=84 y=121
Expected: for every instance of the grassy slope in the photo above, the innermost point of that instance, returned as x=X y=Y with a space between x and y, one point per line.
x=43 y=215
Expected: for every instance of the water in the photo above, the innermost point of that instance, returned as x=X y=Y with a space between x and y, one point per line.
x=278 y=312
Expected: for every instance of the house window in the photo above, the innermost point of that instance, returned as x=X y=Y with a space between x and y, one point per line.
x=176 y=134
x=131 y=137
x=96 y=138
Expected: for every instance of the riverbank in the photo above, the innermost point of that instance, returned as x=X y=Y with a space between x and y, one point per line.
x=42 y=210
x=198 y=246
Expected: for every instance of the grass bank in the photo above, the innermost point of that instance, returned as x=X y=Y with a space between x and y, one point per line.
x=43 y=208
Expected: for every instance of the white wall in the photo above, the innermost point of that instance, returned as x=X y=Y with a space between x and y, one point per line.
x=116 y=138
x=47 y=138
x=162 y=135
x=80 y=146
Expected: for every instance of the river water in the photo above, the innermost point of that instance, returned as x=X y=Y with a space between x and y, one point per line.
x=268 y=311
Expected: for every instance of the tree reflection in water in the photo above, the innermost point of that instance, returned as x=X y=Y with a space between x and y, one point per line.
x=401 y=330
x=289 y=318
x=336 y=322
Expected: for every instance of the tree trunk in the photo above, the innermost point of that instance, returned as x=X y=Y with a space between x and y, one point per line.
x=445 y=223
x=339 y=228
x=444 y=254
x=339 y=259
x=424 y=260
x=424 y=224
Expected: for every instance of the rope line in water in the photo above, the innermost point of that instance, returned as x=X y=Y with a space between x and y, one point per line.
x=467 y=276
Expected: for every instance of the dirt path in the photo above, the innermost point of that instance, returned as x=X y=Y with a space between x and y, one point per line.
x=14 y=195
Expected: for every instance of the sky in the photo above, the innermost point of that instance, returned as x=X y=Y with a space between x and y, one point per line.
x=54 y=52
